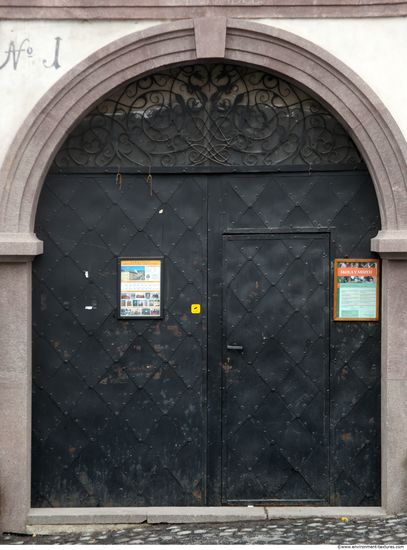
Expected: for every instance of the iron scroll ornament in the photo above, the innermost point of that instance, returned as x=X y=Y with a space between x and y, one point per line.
x=208 y=115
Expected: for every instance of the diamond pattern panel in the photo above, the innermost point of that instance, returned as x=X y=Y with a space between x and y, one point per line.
x=344 y=204
x=118 y=409
x=117 y=404
x=269 y=371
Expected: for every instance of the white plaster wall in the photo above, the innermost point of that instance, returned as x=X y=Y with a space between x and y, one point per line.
x=376 y=49
x=23 y=86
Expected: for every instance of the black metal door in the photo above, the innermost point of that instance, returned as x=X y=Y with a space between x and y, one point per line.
x=275 y=368
x=118 y=406
x=245 y=463
x=160 y=412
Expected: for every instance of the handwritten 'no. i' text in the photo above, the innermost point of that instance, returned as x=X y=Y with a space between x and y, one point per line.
x=17 y=51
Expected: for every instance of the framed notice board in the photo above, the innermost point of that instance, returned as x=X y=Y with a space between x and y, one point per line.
x=356 y=289
x=140 y=288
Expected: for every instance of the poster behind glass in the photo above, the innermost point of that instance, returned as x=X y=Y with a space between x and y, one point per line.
x=356 y=289
x=140 y=288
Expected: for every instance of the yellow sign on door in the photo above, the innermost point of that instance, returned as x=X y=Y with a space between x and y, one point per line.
x=195 y=308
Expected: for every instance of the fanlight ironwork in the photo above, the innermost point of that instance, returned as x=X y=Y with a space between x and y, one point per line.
x=208 y=115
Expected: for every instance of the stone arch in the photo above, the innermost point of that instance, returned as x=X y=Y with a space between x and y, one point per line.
x=29 y=157
x=356 y=106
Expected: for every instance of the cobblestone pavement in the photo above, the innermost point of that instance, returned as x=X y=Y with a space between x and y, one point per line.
x=391 y=530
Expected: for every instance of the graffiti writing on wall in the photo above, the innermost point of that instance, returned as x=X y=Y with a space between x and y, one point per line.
x=17 y=51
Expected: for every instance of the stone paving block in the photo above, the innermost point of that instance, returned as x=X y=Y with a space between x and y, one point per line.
x=319 y=530
x=78 y=529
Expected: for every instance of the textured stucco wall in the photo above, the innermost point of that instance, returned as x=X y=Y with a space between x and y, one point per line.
x=373 y=48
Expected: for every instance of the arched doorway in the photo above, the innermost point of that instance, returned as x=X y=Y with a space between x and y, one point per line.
x=260 y=398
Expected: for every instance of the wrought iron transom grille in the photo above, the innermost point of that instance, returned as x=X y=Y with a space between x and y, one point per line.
x=208 y=115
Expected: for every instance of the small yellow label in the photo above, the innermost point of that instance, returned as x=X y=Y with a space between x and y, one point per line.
x=195 y=308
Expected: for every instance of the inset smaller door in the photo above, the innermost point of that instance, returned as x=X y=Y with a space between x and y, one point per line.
x=275 y=368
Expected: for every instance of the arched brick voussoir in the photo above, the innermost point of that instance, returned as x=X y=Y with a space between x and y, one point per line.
x=353 y=102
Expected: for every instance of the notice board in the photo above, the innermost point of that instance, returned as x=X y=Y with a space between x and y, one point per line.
x=356 y=289
x=140 y=288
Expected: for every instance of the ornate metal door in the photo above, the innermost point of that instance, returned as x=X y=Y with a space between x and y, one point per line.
x=275 y=368
x=255 y=189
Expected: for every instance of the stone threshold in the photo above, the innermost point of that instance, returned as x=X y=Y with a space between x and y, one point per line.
x=50 y=520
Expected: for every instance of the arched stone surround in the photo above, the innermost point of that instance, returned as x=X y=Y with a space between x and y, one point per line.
x=368 y=122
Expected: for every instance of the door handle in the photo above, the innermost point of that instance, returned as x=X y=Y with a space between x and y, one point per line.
x=234 y=348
